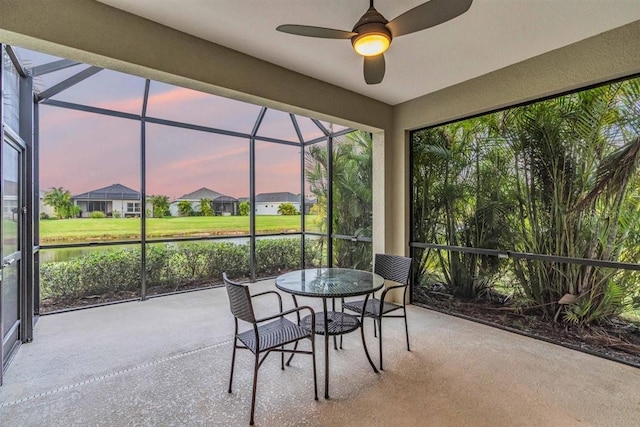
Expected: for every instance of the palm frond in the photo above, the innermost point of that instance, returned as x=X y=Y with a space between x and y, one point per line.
x=614 y=172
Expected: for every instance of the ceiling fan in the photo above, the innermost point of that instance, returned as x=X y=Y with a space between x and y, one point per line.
x=372 y=34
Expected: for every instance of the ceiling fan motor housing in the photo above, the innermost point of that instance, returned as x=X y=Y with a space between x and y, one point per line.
x=371 y=23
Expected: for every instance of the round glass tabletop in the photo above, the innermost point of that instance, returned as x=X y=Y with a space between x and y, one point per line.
x=329 y=282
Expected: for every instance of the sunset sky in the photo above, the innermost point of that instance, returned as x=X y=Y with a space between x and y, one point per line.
x=85 y=151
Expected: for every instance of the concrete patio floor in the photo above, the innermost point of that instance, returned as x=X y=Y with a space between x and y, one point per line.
x=165 y=362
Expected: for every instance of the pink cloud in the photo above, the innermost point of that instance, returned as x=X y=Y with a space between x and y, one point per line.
x=83 y=151
x=205 y=160
x=189 y=106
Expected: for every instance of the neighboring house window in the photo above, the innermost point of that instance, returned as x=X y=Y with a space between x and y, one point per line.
x=97 y=206
x=133 y=207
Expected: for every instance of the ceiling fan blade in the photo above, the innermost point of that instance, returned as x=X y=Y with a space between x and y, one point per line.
x=427 y=15
x=374 y=69
x=309 y=31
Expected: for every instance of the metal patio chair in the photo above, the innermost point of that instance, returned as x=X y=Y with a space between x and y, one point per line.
x=394 y=268
x=263 y=338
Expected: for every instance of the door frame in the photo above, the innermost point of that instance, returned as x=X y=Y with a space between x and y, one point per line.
x=22 y=139
x=16 y=143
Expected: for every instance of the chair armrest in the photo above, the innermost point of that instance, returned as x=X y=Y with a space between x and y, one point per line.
x=387 y=289
x=294 y=310
x=270 y=292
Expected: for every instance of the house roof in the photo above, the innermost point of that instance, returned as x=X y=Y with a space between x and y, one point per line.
x=112 y=192
x=206 y=193
x=225 y=199
x=284 y=196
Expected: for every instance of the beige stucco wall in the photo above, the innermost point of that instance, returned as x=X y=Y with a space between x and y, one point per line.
x=97 y=34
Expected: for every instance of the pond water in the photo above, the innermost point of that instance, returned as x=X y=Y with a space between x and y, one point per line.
x=66 y=254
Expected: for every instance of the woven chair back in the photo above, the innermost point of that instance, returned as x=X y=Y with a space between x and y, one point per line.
x=393 y=267
x=239 y=300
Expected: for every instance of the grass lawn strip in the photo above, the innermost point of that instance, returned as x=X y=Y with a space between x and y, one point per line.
x=105 y=229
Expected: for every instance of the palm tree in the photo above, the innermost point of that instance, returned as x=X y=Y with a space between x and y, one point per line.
x=206 y=208
x=185 y=208
x=287 y=209
x=459 y=201
x=160 y=205
x=556 y=177
x=244 y=208
x=60 y=200
x=577 y=157
x=352 y=194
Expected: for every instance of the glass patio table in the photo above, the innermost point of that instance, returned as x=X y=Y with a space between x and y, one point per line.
x=331 y=283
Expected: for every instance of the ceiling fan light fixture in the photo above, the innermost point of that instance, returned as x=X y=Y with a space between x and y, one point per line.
x=373 y=33
x=371 y=44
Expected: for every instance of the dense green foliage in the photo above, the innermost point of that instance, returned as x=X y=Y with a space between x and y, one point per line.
x=160 y=205
x=170 y=265
x=352 y=194
x=96 y=273
x=287 y=209
x=60 y=200
x=244 y=208
x=206 y=207
x=185 y=208
x=97 y=215
x=557 y=177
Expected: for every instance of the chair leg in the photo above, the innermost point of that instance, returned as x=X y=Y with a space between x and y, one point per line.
x=255 y=383
x=295 y=347
x=282 y=358
x=375 y=328
x=406 y=327
x=315 y=376
x=233 y=362
x=380 y=340
x=342 y=307
x=335 y=338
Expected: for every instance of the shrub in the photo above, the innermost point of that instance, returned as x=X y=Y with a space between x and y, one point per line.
x=169 y=264
x=185 y=208
x=244 y=208
x=287 y=209
x=96 y=273
x=75 y=211
x=206 y=207
x=313 y=252
x=274 y=256
x=44 y=215
x=97 y=214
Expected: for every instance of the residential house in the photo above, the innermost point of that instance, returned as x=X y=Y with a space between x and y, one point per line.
x=222 y=204
x=114 y=200
x=269 y=203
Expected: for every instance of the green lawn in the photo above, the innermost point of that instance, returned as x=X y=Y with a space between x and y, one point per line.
x=90 y=229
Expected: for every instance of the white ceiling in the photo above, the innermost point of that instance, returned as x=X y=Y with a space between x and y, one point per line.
x=491 y=35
